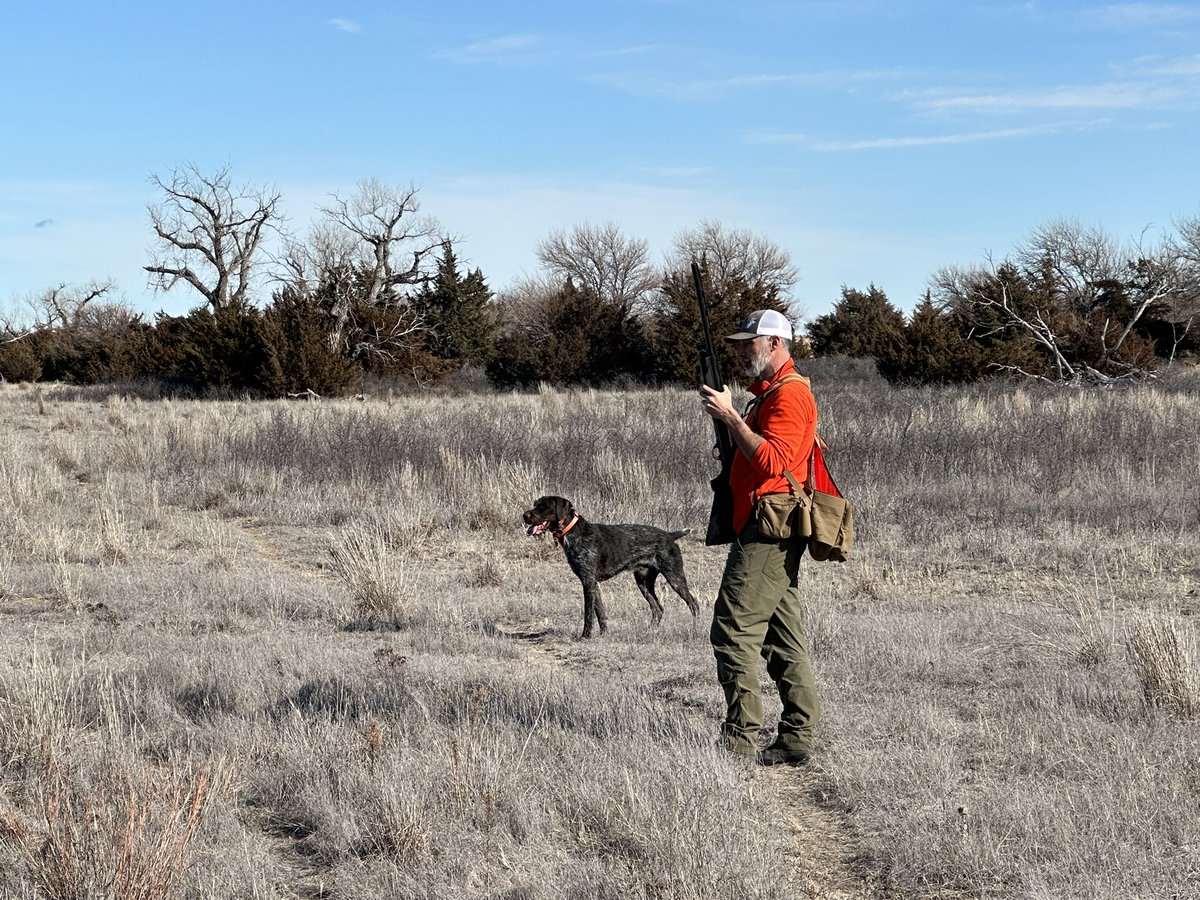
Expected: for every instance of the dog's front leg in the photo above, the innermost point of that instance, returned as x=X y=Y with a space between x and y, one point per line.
x=593 y=609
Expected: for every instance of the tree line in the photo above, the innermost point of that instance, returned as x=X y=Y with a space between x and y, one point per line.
x=1069 y=305
x=375 y=291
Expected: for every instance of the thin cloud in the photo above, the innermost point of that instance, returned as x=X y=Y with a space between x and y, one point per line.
x=1124 y=16
x=1113 y=95
x=808 y=142
x=505 y=49
x=643 y=84
x=638 y=50
x=1186 y=67
x=347 y=25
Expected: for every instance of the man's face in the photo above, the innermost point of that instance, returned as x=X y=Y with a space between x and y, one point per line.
x=755 y=356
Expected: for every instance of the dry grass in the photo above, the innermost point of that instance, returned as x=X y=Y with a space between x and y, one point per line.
x=1166 y=666
x=128 y=837
x=322 y=597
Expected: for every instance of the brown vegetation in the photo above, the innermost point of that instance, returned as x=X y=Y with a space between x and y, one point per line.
x=306 y=649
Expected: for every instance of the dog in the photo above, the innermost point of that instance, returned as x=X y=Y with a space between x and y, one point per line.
x=597 y=552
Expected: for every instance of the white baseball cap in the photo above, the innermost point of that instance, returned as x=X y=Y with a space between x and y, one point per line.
x=763 y=322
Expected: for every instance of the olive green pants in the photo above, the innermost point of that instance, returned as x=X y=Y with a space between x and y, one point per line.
x=758 y=613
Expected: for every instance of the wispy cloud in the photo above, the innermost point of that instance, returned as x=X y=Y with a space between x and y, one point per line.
x=1157 y=67
x=659 y=85
x=347 y=25
x=808 y=142
x=509 y=48
x=638 y=50
x=1142 y=15
x=1150 y=94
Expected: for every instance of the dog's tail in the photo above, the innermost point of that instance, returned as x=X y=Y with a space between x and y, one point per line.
x=676 y=535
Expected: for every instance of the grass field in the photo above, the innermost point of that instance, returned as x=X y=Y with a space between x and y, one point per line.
x=301 y=650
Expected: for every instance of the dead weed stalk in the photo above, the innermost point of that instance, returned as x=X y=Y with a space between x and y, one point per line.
x=125 y=840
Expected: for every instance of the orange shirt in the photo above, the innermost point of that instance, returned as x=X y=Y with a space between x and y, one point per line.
x=787 y=421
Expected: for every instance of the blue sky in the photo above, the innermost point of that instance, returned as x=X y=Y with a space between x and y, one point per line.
x=875 y=142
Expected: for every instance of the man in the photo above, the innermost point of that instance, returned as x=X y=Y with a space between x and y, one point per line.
x=758 y=609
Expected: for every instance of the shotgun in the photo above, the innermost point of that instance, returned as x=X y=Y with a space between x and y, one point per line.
x=720 y=519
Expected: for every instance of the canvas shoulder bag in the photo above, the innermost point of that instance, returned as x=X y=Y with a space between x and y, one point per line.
x=831 y=515
x=783 y=517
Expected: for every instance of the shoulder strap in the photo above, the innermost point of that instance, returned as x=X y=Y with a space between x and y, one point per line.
x=755 y=402
x=789 y=378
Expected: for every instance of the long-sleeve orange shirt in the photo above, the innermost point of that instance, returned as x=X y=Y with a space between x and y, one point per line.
x=787 y=421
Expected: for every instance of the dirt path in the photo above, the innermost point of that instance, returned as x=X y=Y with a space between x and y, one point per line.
x=820 y=868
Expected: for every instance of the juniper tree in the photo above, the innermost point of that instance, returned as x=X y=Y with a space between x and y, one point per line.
x=457 y=313
x=861 y=324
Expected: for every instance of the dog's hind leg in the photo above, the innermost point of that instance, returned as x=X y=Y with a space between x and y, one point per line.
x=645 y=576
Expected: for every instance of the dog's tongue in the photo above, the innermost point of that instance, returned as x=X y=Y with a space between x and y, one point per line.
x=535 y=530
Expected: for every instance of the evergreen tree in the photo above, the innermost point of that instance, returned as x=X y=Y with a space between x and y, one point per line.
x=932 y=351
x=567 y=336
x=457 y=311
x=295 y=333
x=977 y=310
x=19 y=361
x=224 y=349
x=860 y=325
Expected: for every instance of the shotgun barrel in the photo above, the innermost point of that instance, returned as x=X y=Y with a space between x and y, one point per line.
x=720 y=519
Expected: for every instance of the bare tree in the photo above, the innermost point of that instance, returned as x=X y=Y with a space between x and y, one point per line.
x=612 y=267
x=1078 y=294
x=394 y=240
x=737 y=255
x=1079 y=262
x=987 y=295
x=379 y=236
x=1100 y=278
x=210 y=234
x=1187 y=241
x=304 y=264
x=1186 y=307
x=322 y=272
x=59 y=307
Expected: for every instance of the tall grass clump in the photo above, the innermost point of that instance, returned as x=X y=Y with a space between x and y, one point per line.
x=1166 y=665
x=368 y=562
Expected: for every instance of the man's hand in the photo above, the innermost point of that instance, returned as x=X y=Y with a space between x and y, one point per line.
x=719 y=404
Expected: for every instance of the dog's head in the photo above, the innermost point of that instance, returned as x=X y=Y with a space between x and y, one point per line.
x=548 y=514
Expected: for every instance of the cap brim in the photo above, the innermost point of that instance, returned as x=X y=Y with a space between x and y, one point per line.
x=742 y=335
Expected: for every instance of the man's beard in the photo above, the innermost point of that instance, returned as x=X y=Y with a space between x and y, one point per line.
x=759 y=362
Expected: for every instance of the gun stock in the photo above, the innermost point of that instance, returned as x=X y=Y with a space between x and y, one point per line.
x=720 y=519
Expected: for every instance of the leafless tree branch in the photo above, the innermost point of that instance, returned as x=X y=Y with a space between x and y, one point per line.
x=209 y=234
x=613 y=268
x=737 y=255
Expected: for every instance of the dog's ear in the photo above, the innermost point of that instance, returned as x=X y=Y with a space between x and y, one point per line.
x=563 y=510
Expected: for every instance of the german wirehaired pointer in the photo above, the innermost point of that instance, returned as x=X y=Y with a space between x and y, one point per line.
x=598 y=552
